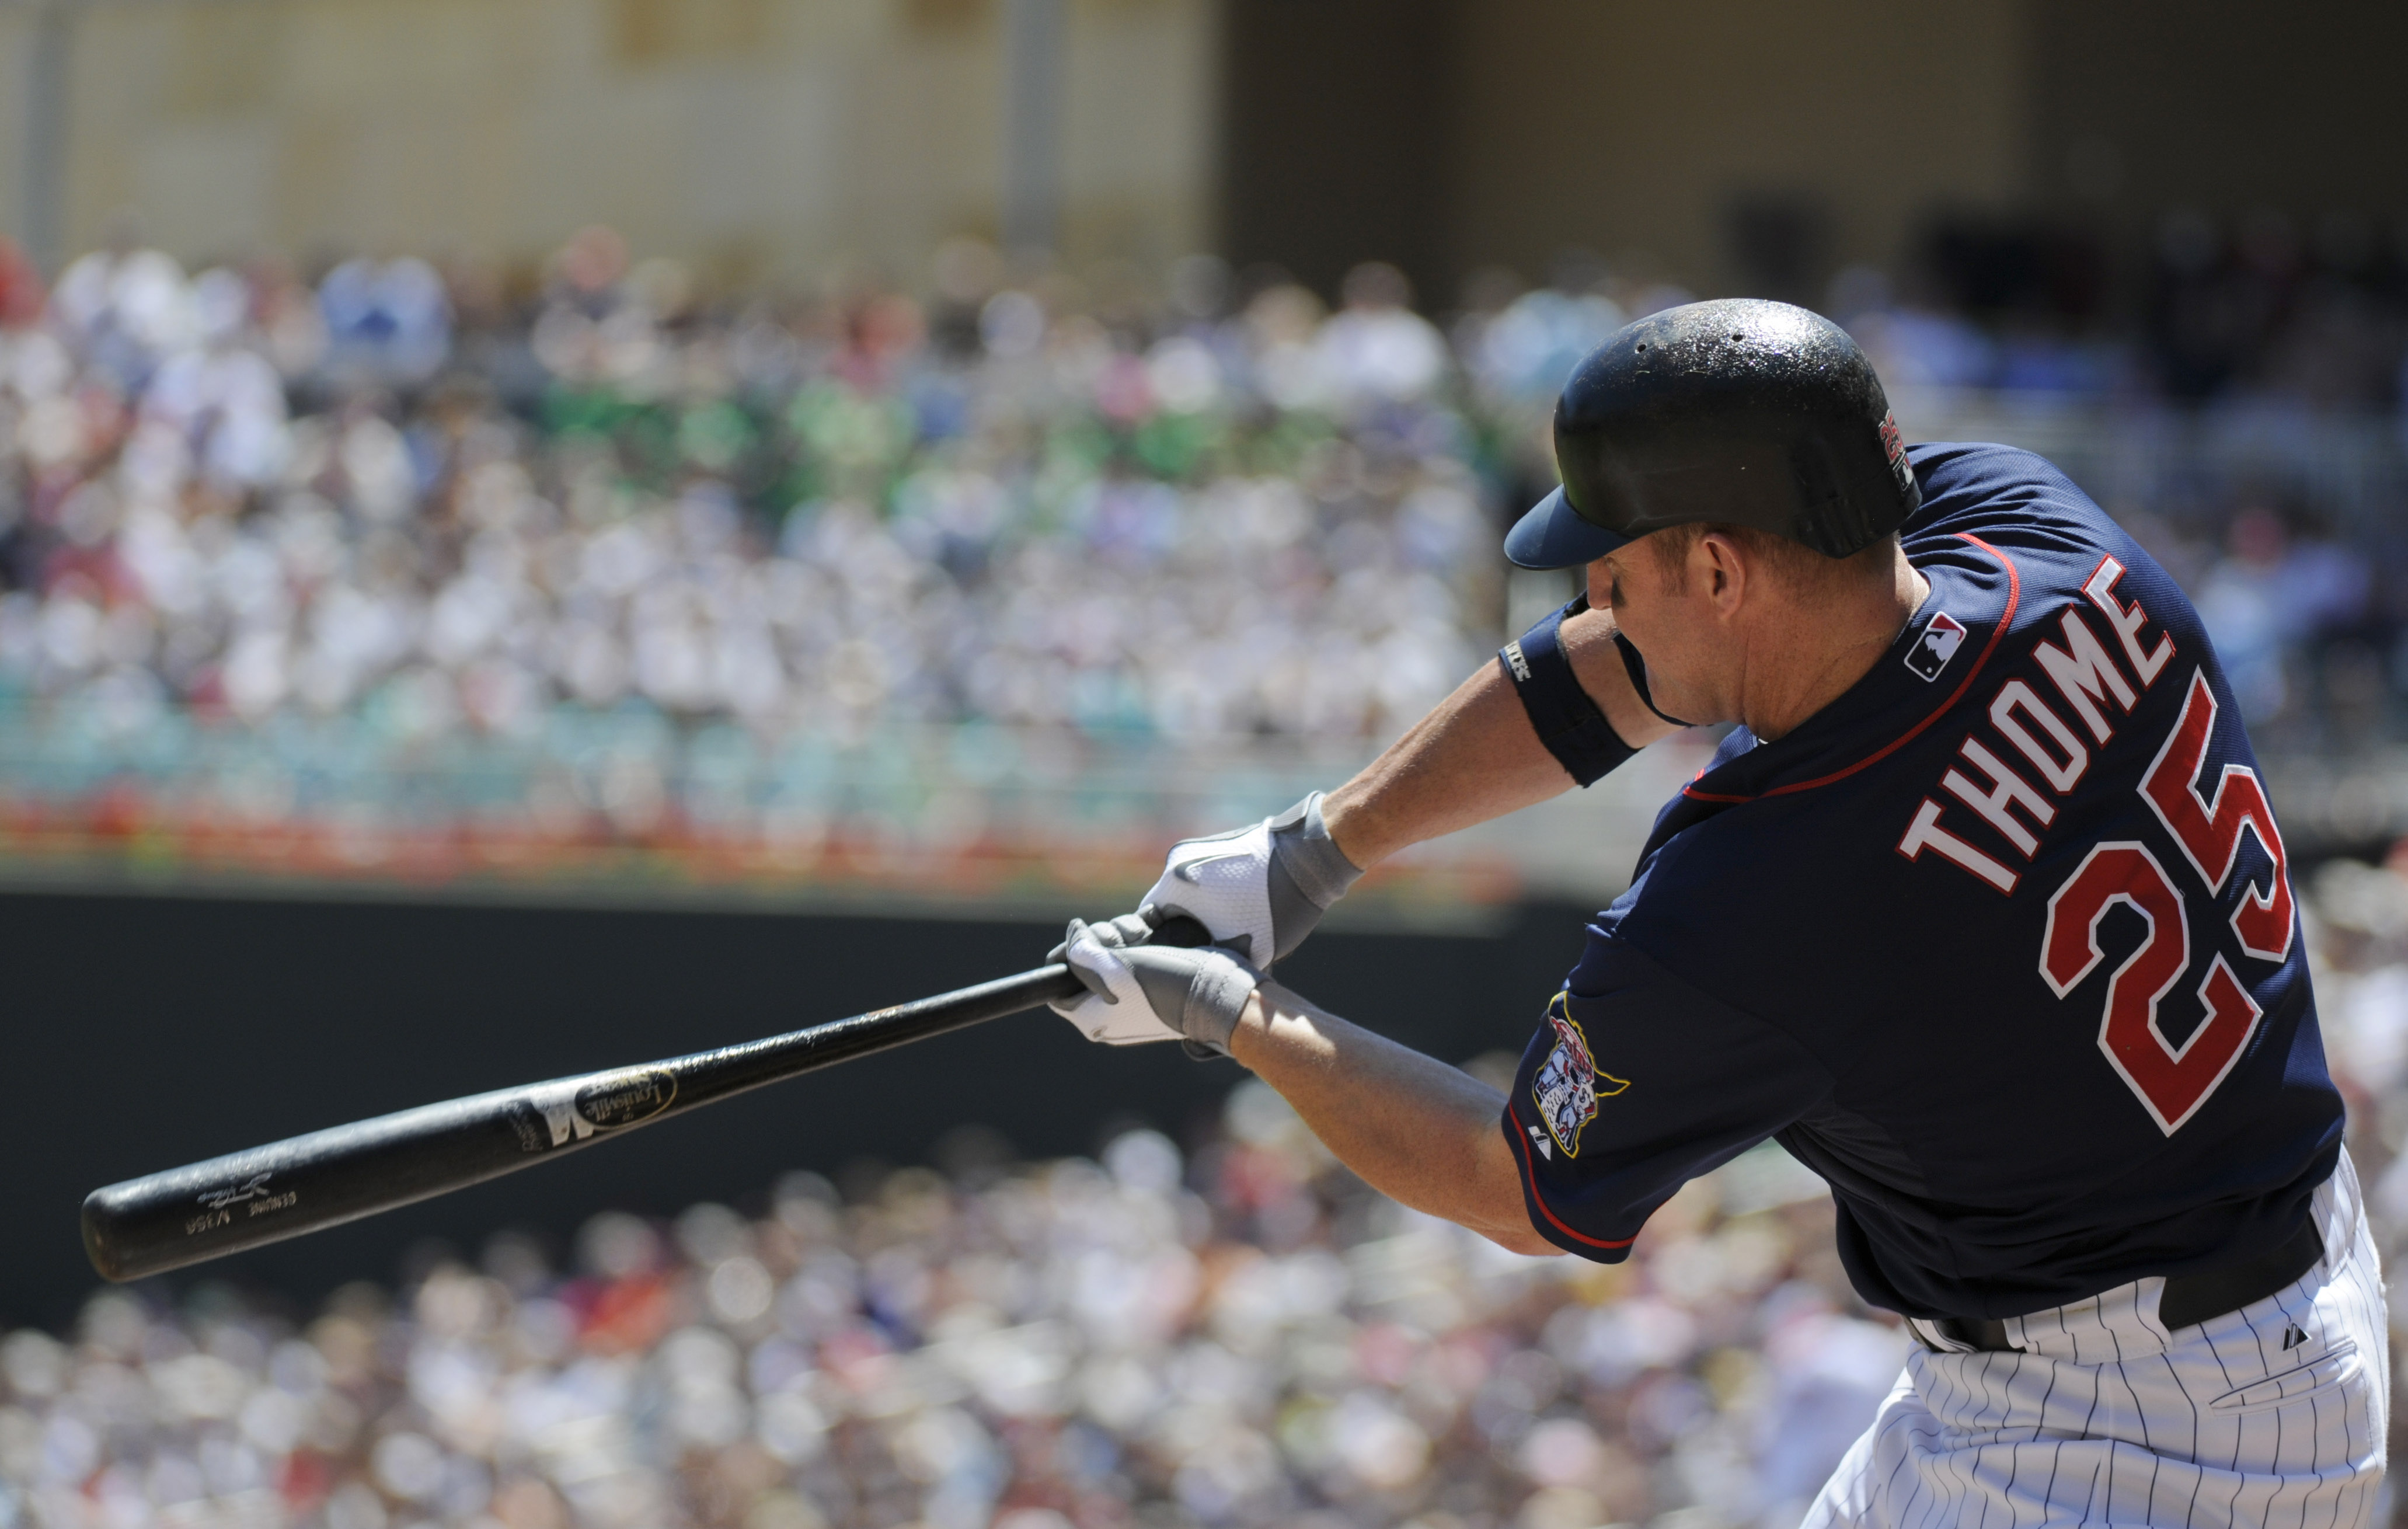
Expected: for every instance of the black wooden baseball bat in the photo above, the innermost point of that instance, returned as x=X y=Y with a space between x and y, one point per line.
x=246 y=1200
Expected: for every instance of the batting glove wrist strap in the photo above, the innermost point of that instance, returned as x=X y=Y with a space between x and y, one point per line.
x=1308 y=872
x=1198 y=993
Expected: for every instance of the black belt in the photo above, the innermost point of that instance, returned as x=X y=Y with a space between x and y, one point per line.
x=2190 y=1299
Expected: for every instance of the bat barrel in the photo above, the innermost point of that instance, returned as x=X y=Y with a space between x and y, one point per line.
x=247 y=1199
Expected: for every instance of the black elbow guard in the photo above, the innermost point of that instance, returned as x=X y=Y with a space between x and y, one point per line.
x=1566 y=721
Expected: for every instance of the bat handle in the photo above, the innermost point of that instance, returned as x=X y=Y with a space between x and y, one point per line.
x=1181 y=930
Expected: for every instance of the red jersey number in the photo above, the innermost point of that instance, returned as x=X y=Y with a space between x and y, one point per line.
x=2210 y=832
x=2173 y=1081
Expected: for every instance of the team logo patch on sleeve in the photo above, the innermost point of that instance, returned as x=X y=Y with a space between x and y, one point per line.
x=1567 y=1085
x=1938 y=643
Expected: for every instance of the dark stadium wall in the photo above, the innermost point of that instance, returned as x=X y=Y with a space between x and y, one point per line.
x=149 y=1032
x=1334 y=116
x=2222 y=106
x=1451 y=135
x=1738 y=145
x=1667 y=135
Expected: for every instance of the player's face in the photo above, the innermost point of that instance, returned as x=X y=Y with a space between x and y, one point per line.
x=1677 y=625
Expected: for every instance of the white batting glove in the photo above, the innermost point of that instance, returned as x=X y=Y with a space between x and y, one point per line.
x=1260 y=889
x=1093 y=952
x=1138 y=992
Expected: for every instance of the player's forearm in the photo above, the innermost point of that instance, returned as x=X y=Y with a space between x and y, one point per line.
x=1473 y=758
x=1420 y=1131
x=1476 y=757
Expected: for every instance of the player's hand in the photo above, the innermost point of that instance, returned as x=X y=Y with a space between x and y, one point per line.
x=1138 y=992
x=1259 y=890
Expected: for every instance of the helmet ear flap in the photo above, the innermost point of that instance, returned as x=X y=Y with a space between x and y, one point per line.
x=1829 y=520
x=1825 y=519
x=1822 y=512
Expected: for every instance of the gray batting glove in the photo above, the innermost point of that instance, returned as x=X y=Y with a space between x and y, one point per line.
x=1138 y=992
x=1260 y=889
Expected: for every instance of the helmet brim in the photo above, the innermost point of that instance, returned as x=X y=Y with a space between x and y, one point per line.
x=1552 y=535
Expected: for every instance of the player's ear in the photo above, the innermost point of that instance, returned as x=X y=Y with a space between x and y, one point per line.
x=1725 y=571
x=1598 y=579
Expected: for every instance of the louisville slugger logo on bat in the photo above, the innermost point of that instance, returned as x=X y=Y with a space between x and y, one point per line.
x=573 y=1109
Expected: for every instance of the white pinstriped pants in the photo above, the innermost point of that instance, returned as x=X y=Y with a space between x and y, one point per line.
x=2105 y=1419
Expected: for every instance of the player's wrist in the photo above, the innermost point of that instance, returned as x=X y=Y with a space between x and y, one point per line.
x=1254 y=1021
x=1305 y=874
x=1371 y=819
x=1276 y=1026
x=1357 y=827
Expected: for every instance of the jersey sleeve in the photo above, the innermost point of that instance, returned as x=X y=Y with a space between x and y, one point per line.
x=1636 y=1083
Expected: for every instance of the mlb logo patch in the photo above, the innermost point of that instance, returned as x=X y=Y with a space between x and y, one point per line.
x=1938 y=643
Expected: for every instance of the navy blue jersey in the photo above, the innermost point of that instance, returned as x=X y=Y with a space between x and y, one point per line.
x=2000 y=942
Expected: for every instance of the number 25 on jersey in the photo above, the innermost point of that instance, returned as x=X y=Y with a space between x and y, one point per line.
x=2172 y=1081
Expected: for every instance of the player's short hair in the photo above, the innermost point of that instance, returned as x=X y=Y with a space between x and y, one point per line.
x=1797 y=567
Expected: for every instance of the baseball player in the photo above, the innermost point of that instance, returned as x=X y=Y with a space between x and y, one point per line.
x=1979 y=910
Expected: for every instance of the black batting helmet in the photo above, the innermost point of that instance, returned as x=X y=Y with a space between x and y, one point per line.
x=1739 y=411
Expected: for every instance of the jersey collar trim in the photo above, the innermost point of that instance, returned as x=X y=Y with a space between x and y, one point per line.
x=1997 y=633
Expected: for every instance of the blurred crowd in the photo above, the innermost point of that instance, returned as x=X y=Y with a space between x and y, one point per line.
x=1191 y=507
x=596 y=552
x=229 y=493
x=2263 y=306
x=1248 y=1337
x=2308 y=624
